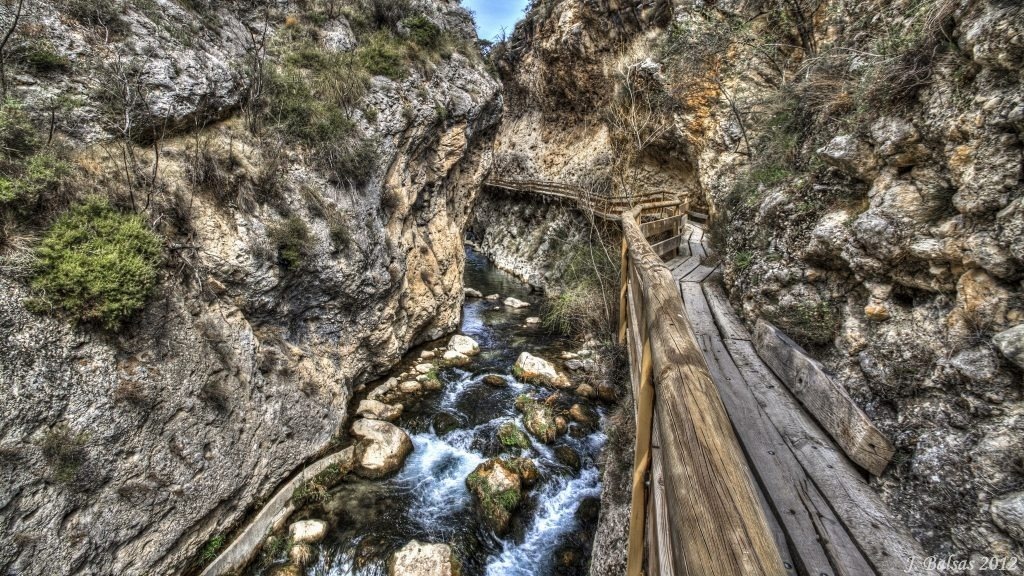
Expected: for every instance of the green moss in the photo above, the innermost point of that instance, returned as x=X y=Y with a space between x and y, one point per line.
x=314 y=490
x=97 y=264
x=294 y=242
x=511 y=436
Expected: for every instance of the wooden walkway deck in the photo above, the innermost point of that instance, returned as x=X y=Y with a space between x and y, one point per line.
x=825 y=517
x=750 y=459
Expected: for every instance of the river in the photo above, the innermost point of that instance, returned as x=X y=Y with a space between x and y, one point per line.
x=453 y=431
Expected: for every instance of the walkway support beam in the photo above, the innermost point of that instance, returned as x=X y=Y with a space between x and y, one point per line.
x=715 y=521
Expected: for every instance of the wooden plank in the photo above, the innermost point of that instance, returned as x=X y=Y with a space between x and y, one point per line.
x=824 y=398
x=717 y=524
x=726 y=319
x=689 y=265
x=699 y=274
x=666 y=247
x=884 y=540
x=652 y=229
x=662 y=540
x=819 y=542
x=671 y=264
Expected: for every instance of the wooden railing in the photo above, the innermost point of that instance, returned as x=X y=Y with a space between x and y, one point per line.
x=608 y=207
x=701 y=514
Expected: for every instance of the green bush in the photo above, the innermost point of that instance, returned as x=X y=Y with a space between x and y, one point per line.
x=423 y=32
x=293 y=240
x=382 y=54
x=212 y=548
x=18 y=136
x=41 y=57
x=97 y=264
x=42 y=173
x=106 y=13
x=384 y=13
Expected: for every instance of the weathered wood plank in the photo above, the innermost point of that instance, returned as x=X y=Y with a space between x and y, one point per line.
x=807 y=521
x=884 y=540
x=725 y=318
x=685 y=267
x=665 y=247
x=717 y=523
x=699 y=274
x=652 y=229
x=824 y=398
x=662 y=541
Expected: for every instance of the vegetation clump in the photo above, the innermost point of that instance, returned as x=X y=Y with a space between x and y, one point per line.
x=65 y=453
x=97 y=264
x=511 y=436
x=294 y=242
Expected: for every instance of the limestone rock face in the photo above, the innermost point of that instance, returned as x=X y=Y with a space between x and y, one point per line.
x=383 y=448
x=851 y=156
x=419 y=559
x=537 y=370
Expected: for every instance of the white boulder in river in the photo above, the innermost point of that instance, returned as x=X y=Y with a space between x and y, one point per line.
x=515 y=303
x=530 y=368
x=307 y=531
x=463 y=345
x=453 y=358
x=419 y=559
x=472 y=293
x=382 y=449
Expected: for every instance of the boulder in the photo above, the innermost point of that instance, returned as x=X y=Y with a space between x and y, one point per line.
x=566 y=455
x=495 y=380
x=526 y=469
x=584 y=415
x=516 y=303
x=539 y=418
x=472 y=293
x=586 y=391
x=498 y=491
x=411 y=387
x=851 y=156
x=427 y=355
x=533 y=320
x=463 y=345
x=511 y=436
x=1008 y=513
x=1011 y=344
x=307 y=531
x=381 y=392
x=378 y=410
x=383 y=448
x=419 y=559
x=492 y=297
x=453 y=358
x=534 y=370
x=425 y=368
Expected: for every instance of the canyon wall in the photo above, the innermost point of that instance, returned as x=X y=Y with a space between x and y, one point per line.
x=861 y=164
x=138 y=451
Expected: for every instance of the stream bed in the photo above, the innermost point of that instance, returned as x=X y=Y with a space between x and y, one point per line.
x=453 y=431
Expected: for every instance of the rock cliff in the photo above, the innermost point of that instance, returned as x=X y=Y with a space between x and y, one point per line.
x=862 y=169
x=290 y=273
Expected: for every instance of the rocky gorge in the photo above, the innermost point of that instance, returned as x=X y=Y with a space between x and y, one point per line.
x=273 y=199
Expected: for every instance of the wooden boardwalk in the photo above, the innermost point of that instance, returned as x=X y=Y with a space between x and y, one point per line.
x=750 y=459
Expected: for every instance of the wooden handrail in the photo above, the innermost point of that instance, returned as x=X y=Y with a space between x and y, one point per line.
x=717 y=524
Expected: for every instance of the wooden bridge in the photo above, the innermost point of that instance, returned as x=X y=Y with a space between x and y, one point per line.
x=750 y=459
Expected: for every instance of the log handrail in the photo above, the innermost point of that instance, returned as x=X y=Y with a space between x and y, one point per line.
x=717 y=525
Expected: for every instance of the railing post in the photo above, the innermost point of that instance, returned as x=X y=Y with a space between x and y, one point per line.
x=641 y=462
x=624 y=282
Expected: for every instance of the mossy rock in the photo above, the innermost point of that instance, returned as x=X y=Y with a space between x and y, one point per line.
x=539 y=418
x=497 y=489
x=569 y=457
x=510 y=436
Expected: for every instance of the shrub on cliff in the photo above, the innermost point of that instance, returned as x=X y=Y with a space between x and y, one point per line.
x=96 y=264
x=294 y=242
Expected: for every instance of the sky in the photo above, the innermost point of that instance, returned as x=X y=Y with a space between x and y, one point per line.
x=492 y=15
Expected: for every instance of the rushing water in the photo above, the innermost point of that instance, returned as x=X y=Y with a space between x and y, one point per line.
x=428 y=499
